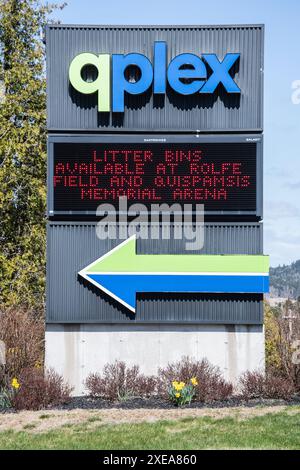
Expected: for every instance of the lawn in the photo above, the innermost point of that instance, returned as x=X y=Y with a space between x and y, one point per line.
x=271 y=431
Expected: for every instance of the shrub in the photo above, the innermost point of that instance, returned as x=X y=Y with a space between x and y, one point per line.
x=211 y=385
x=22 y=332
x=252 y=384
x=279 y=387
x=119 y=382
x=258 y=385
x=38 y=390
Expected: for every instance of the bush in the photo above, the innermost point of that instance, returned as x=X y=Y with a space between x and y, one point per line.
x=258 y=385
x=38 y=390
x=211 y=385
x=279 y=387
x=252 y=384
x=22 y=332
x=119 y=382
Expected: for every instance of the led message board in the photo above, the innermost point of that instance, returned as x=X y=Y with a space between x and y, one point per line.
x=220 y=175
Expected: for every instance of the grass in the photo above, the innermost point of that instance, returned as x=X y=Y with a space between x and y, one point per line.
x=271 y=431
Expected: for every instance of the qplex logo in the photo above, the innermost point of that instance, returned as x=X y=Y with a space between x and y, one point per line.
x=186 y=74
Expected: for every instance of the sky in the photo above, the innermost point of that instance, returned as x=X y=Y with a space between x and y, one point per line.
x=282 y=68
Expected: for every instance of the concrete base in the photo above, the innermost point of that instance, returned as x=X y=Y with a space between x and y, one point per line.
x=74 y=351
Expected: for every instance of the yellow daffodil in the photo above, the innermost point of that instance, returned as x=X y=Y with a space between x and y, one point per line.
x=177 y=395
x=178 y=386
x=15 y=384
x=194 y=381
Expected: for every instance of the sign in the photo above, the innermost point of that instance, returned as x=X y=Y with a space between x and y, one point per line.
x=186 y=74
x=122 y=273
x=220 y=175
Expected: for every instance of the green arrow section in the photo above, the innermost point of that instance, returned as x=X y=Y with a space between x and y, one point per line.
x=125 y=259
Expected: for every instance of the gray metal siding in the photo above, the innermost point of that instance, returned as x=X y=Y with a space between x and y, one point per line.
x=69 y=110
x=72 y=246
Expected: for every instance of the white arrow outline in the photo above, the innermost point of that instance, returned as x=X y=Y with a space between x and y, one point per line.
x=83 y=273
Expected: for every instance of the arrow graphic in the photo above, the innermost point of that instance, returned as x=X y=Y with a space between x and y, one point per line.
x=121 y=273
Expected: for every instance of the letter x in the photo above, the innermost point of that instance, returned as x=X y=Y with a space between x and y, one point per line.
x=220 y=73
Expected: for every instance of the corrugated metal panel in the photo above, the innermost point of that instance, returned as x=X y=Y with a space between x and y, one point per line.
x=219 y=238
x=72 y=246
x=219 y=308
x=69 y=110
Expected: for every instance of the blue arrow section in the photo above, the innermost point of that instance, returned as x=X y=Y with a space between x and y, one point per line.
x=125 y=286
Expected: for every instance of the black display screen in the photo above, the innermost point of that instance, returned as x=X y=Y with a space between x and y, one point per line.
x=222 y=176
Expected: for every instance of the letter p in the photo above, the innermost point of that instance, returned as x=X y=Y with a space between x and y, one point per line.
x=101 y=84
x=120 y=84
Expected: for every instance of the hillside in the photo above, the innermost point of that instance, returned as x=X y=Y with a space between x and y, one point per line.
x=285 y=281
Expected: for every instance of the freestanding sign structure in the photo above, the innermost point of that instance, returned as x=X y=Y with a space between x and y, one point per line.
x=158 y=117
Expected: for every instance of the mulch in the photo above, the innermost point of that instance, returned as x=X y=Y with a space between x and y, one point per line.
x=90 y=403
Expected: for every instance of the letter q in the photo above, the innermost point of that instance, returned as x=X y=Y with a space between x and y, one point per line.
x=101 y=84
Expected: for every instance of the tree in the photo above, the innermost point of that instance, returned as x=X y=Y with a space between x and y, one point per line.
x=282 y=332
x=22 y=152
x=272 y=336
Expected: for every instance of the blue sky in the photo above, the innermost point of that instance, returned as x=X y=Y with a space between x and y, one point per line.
x=282 y=67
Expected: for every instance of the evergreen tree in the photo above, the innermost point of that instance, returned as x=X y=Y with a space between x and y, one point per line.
x=22 y=152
